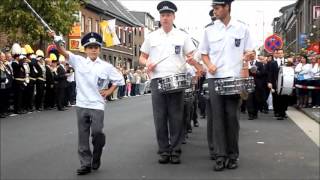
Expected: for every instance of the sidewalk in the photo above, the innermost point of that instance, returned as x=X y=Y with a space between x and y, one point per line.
x=313 y=113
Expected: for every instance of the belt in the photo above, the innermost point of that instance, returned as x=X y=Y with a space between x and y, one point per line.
x=40 y=78
x=31 y=78
x=20 y=79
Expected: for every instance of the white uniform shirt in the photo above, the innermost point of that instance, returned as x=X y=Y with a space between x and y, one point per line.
x=174 y=45
x=87 y=73
x=225 y=46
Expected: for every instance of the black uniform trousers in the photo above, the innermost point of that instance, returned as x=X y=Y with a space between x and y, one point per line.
x=49 y=96
x=187 y=112
x=168 y=119
x=60 y=94
x=225 y=111
x=39 y=94
x=252 y=104
x=29 y=96
x=280 y=104
x=4 y=96
x=19 y=88
x=209 y=125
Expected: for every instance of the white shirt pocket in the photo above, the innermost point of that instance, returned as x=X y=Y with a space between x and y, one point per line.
x=216 y=42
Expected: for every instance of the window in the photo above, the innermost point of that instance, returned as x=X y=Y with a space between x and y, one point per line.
x=140 y=30
x=89 y=24
x=135 y=50
x=83 y=23
x=97 y=27
x=129 y=38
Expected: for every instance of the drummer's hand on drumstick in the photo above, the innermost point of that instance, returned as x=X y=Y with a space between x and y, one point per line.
x=212 y=69
x=190 y=59
x=248 y=55
x=150 y=66
x=269 y=85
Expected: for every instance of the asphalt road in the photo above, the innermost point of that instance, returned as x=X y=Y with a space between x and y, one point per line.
x=43 y=145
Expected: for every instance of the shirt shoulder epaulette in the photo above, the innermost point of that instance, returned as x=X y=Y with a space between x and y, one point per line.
x=210 y=24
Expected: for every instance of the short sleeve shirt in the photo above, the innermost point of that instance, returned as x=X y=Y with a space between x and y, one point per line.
x=225 y=46
x=87 y=75
x=172 y=47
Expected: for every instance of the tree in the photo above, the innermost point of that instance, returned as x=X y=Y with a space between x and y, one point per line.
x=18 y=22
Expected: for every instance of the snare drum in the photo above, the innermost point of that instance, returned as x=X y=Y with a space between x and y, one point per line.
x=231 y=86
x=188 y=94
x=174 y=83
x=285 y=80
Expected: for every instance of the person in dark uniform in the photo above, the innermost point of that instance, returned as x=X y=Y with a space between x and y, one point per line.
x=61 y=84
x=92 y=76
x=167 y=107
x=256 y=99
x=29 y=64
x=6 y=78
x=19 y=83
x=49 y=85
x=41 y=80
x=280 y=102
x=223 y=50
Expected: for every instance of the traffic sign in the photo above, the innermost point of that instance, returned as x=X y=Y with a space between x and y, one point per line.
x=273 y=42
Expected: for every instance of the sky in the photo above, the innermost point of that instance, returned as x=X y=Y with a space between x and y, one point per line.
x=193 y=15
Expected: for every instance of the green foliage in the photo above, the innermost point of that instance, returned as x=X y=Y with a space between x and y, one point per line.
x=19 y=23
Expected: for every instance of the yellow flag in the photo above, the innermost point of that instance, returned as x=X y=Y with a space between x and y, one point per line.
x=108 y=32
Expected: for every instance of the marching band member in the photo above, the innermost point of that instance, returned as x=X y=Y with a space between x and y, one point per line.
x=19 y=83
x=280 y=102
x=41 y=79
x=6 y=78
x=49 y=83
x=92 y=76
x=171 y=46
x=222 y=48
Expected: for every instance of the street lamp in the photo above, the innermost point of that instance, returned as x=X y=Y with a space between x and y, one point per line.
x=259 y=11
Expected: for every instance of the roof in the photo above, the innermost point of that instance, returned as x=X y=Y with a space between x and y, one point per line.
x=116 y=9
x=283 y=9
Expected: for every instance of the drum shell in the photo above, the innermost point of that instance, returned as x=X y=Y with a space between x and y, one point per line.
x=174 y=83
x=285 y=83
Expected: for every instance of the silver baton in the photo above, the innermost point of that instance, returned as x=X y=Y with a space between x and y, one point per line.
x=38 y=16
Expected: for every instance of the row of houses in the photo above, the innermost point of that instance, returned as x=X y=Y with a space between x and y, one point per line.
x=298 y=24
x=131 y=27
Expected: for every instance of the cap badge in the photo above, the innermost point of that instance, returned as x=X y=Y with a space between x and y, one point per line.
x=92 y=40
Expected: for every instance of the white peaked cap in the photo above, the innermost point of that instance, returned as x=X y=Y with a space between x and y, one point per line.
x=16 y=49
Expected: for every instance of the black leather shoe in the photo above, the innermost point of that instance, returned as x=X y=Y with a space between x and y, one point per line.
x=213 y=157
x=83 y=170
x=219 y=165
x=250 y=118
x=280 y=118
x=189 y=130
x=196 y=124
x=164 y=159
x=175 y=159
x=232 y=164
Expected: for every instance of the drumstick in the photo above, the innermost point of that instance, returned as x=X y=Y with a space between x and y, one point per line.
x=162 y=60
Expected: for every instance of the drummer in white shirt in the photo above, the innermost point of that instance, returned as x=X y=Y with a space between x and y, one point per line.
x=173 y=48
x=223 y=45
